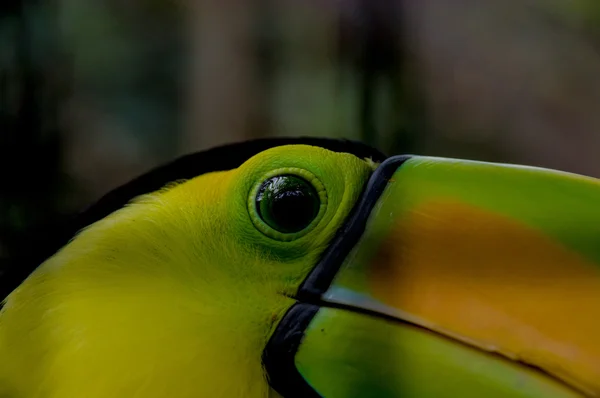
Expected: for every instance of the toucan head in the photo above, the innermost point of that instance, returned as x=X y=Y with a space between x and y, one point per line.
x=313 y=267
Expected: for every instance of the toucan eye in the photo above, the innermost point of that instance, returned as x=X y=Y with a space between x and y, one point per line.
x=287 y=203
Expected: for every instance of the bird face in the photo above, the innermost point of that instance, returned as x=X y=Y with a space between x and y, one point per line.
x=177 y=293
x=308 y=272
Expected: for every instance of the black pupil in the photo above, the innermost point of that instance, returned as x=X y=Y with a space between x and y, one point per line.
x=287 y=203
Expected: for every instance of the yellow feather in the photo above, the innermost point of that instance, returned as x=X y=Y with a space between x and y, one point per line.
x=175 y=295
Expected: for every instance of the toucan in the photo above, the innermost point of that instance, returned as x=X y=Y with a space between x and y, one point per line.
x=308 y=267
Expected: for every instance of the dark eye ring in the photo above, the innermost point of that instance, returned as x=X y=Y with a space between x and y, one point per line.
x=287 y=203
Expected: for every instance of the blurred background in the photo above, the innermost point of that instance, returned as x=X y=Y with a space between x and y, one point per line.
x=93 y=93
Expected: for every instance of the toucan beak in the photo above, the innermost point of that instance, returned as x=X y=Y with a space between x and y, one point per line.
x=453 y=279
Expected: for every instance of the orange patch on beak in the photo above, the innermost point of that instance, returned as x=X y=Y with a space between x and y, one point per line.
x=497 y=284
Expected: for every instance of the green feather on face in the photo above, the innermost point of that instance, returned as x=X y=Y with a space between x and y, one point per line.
x=301 y=271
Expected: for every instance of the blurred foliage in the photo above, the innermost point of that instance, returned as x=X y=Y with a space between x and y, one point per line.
x=31 y=195
x=126 y=58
